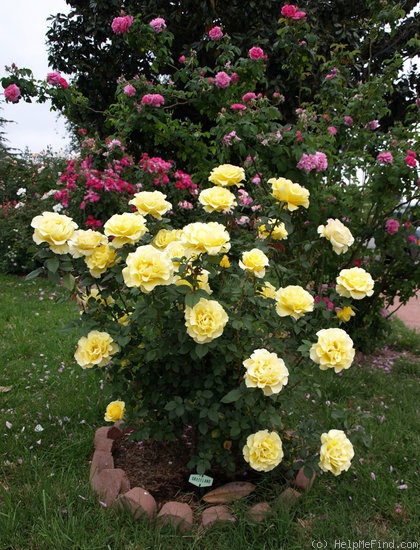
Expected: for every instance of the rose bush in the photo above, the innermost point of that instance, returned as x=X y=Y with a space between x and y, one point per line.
x=204 y=283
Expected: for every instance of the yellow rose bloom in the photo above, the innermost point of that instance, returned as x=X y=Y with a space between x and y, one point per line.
x=293 y=194
x=226 y=175
x=95 y=349
x=266 y=371
x=338 y=234
x=147 y=268
x=345 y=314
x=217 y=199
x=114 y=411
x=268 y=290
x=177 y=249
x=127 y=228
x=254 y=261
x=336 y=452
x=294 y=301
x=202 y=281
x=224 y=262
x=263 y=450
x=275 y=231
x=166 y=236
x=151 y=202
x=84 y=242
x=55 y=230
x=333 y=350
x=211 y=238
x=354 y=283
x=102 y=257
x=205 y=321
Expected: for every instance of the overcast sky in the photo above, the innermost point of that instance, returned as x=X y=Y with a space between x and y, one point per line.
x=22 y=41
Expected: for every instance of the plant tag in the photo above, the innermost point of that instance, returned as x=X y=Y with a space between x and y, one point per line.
x=200 y=480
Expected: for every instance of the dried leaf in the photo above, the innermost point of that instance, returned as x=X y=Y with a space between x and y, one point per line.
x=4 y=389
x=231 y=491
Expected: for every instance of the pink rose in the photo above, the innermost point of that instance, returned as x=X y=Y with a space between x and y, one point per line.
x=222 y=79
x=385 y=158
x=121 y=25
x=129 y=90
x=289 y=10
x=411 y=158
x=373 y=124
x=12 y=93
x=249 y=96
x=63 y=82
x=392 y=226
x=215 y=33
x=53 y=77
x=156 y=100
x=257 y=53
x=234 y=78
x=237 y=107
x=348 y=120
x=332 y=130
x=158 y=24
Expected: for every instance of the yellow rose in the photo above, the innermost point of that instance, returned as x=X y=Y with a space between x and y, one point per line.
x=263 y=450
x=293 y=194
x=217 y=199
x=265 y=370
x=226 y=175
x=224 y=262
x=336 y=452
x=338 y=234
x=334 y=349
x=345 y=314
x=54 y=229
x=127 y=228
x=100 y=260
x=148 y=267
x=275 y=231
x=268 y=290
x=114 y=411
x=95 y=295
x=166 y=236
x=84 y=242
x=294 y=301
x=211 y=237
x=254 y=261
x=202 y=281
x=95 y=349
x=354 y=283
x=177 y=249
x=151 y=202
x=205 y=321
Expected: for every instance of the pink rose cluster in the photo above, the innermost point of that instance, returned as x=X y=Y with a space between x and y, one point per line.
x=12 y=93
x=411 y=158
x=121 y=25
x=257 y=53
x=385 y=158
x=158 y=24
x=55 y=78
x=292 y=12
x=215 y=33
x=316 y=161
x=155 y=100
x=392 y=226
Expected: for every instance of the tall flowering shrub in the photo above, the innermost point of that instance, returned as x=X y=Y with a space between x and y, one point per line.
x=245 y=262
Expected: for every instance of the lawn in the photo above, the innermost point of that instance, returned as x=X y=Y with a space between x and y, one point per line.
x=50 y=408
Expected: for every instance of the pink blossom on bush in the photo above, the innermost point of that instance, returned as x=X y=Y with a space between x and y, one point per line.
x=156 y=100
x=244 y=198
x=257 y=53
x=158 y=24
x=332 y=74
x=317 y=161
x=392 y=226
x=184 y=181
x=228 y=139
x=222 y=79
x=411 y=158
x=63 y=82
x=182 y=59
x=185 y=205
x=129 y=90
x=372 y=124
x=332 y=130
x=348 y=121
x=93 y=222
x=249 y=96
x=215 y=33
x=121 y=25
x=238 y=107
x=234 y=78
x=385 y=158
x=289 y=10
x=53 y=77
x=12 y=93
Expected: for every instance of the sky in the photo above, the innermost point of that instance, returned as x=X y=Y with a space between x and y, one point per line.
x=22 y=41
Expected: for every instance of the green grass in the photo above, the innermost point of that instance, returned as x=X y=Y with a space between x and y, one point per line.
x=50 y=408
